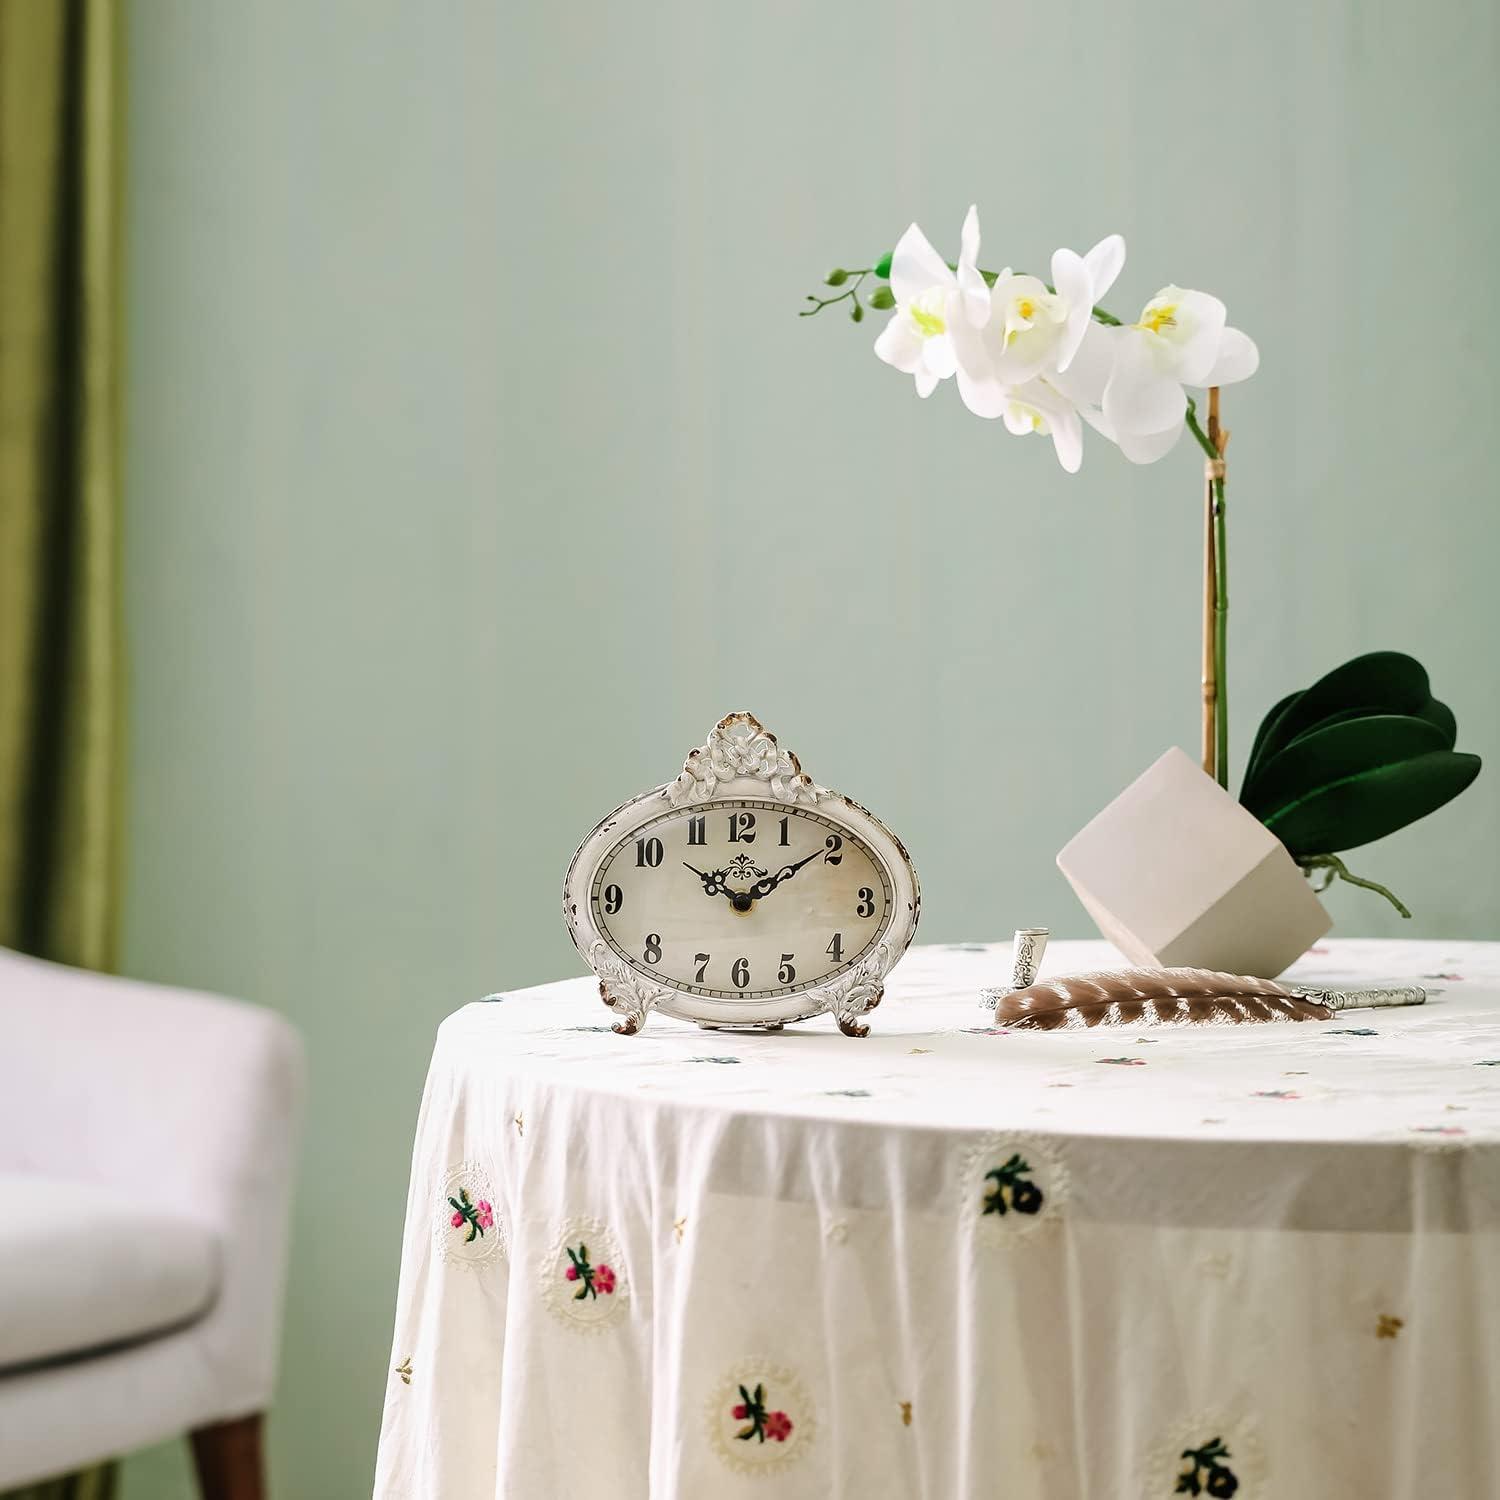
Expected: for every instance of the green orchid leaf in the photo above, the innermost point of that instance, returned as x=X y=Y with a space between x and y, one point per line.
x=1369 y=804
x=1267 y=724
x=1387 y=682
x=1441 y=715
x=1336 y=751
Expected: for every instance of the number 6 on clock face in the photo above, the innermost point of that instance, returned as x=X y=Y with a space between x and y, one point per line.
x=747 y=898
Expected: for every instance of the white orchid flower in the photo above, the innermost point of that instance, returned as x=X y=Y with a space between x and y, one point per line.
x=1033 y=330
x=1180 y=339
x=932 y=304
x=1038 y=406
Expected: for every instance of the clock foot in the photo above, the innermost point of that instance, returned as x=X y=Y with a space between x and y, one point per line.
x=856 y=999
x=627 y=1005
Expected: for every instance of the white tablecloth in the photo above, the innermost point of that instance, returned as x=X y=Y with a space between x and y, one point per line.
x=951 y=1262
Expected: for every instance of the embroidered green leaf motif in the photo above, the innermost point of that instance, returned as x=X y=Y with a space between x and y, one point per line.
x=1209 y=1474
x=1011 y=1189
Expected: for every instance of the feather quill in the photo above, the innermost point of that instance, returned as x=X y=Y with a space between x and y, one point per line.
x=1153 y=997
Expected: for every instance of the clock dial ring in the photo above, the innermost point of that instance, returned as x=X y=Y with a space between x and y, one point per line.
x=753 y=903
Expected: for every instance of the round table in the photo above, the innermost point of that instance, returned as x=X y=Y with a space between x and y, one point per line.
x=948 y=1261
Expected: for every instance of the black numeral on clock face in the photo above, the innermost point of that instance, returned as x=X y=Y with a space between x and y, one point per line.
x=696 y=830
x=742 y=828
x=652 y=955
x=834 y=843
x=866 y=907
x=787 y=973
x=784 y=839
x=701 y=959
x=835 y=949
x=648 y=852
x=614 y=899
x=739 y=975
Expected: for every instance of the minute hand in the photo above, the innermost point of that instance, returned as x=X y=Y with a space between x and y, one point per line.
x=769 y=884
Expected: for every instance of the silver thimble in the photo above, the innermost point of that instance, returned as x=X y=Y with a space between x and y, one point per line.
x=1026 y=951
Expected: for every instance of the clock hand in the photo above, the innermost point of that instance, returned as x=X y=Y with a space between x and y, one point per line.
x=713 y=881
x=769 y=884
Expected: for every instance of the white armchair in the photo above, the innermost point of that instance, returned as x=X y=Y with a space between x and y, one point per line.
x=147 y=1145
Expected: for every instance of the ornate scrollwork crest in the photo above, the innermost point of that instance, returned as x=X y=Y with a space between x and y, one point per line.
x=740 y=745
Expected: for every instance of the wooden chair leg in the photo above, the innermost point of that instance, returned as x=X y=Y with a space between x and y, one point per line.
x=229 y=1460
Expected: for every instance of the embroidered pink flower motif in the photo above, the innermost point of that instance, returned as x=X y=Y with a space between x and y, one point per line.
x=592 y=1280
x=760 y=1424
x=478 y=1216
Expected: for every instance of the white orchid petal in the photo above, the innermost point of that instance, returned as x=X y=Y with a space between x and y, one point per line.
x=938 y=356
x=1095 y=418
x=916 y=267
x=1238 y=359
x=1067 y=438
x=976 y=291
x=926 y=383
x=1088 y=373
x=1104 y=262
x=985 y=398
x=1146 y=448
x=898 y=344
x=1017 y=418
x=1140 y=397
x=1076 y=288
x=1201 y=329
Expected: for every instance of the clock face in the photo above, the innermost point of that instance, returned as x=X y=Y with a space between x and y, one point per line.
x=741 y=899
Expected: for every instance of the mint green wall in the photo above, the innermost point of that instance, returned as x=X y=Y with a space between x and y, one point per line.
x=477 y=463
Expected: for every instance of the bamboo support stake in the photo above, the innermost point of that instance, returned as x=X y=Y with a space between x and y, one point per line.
x=1216 y=604
x=1210 y=601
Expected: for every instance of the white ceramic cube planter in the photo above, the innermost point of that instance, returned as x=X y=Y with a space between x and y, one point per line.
x=1175 y=872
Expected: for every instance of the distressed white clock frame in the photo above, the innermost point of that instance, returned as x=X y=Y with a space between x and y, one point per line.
x=741 y=759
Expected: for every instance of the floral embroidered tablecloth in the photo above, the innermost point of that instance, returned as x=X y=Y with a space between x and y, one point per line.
x=948 y=1261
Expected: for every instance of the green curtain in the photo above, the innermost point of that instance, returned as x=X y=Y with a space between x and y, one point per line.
x=60 y=356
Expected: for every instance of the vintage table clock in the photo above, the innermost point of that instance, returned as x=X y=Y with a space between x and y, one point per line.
x=741 y=894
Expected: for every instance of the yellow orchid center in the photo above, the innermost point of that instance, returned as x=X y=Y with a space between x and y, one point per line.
x=927 y=313
x=1159 y=315
x=1030 y=414
x=1029 y=304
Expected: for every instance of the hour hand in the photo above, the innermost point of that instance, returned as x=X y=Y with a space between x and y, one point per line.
x=766 y=886
x=713 y=881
